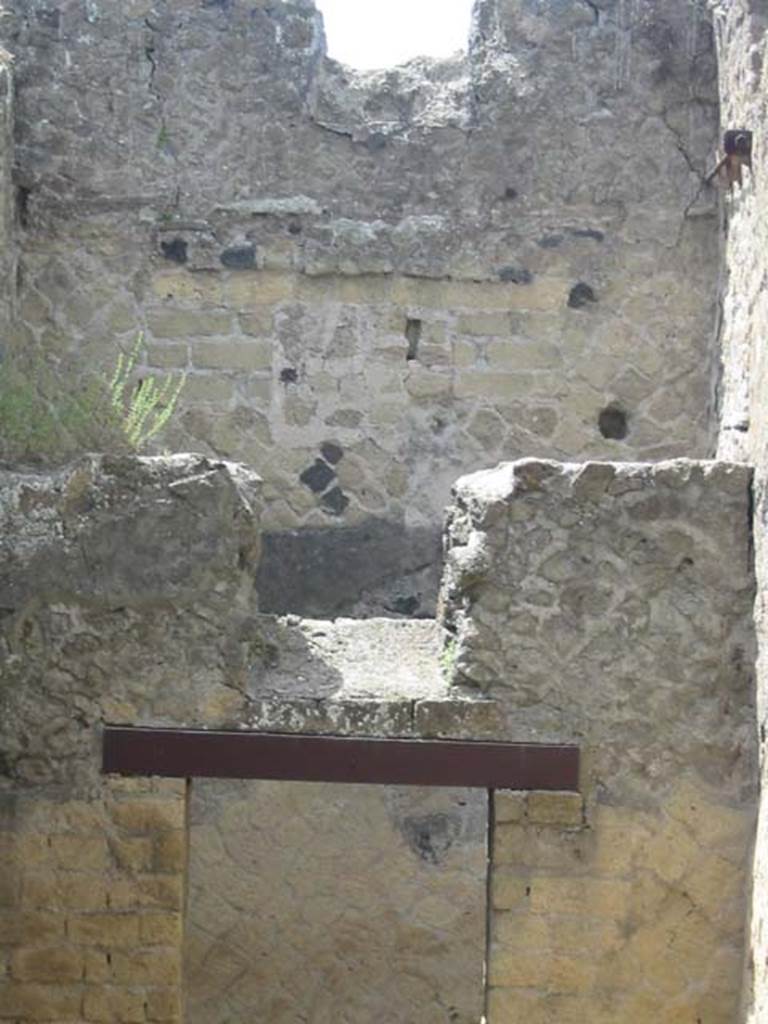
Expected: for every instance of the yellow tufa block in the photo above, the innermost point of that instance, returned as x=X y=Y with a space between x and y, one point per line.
x=147 y=967
x=50 y=890
x=160 y=929
x=98 y=966
x=78 y=853
x=557 y=808
x=508 y=806
x=133 y=854
x=148 y=815
x=189 y=323
x=147 y=891
x=485 y=325
x=110 y=930
x=30 y=927
x=109 y=1003
x=47 y=964
x=258 y=288
x=170 y=852
x=539 y=848
x=41 y=1002
x=163 y=1004
x=241 y=354
x=551 y=973
x=544 y=894
x=184 y=285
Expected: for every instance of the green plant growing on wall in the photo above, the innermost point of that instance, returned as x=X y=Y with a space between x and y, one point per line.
x=145 y=406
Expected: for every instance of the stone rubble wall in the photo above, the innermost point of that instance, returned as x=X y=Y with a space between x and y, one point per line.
x=528 y=224
x=610 y=605
x=126 y=597
x=126 y=592
x=742 y=38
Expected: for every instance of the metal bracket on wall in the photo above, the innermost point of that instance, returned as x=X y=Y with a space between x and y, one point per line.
x=737 y=148
x=191 y=753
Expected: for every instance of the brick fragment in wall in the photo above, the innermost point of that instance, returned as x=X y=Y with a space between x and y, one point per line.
x=335 y=501
x=317 y=476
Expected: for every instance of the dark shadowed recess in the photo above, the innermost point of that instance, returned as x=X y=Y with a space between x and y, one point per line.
x=376 y=568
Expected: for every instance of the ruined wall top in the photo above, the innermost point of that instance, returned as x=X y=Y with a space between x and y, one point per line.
x=413 y=271
x=227 y=115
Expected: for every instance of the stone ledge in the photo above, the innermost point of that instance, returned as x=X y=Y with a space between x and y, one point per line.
x=395 y=719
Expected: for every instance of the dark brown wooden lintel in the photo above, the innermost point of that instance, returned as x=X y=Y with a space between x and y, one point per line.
x=190 y=753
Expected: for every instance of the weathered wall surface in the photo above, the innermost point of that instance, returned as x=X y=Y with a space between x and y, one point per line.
x=610 y=605
x=385 y=919
x=377 y=281
x=118 y=576
x=742 y=43
x=7 y=192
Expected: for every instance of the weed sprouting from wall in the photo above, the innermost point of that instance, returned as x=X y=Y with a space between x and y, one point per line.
x=145 y=406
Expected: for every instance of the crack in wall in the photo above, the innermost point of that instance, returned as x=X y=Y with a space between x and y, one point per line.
x=149 y=52
x=595 y=10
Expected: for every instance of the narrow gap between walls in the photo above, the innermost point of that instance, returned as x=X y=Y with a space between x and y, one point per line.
x=488 y=904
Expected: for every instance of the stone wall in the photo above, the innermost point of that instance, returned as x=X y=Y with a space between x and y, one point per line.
x=610 y=605
x=7 y=192
x=126 y=591
x=91 y=902
x=742 y=40
x=606 y=605
x=376 y=281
